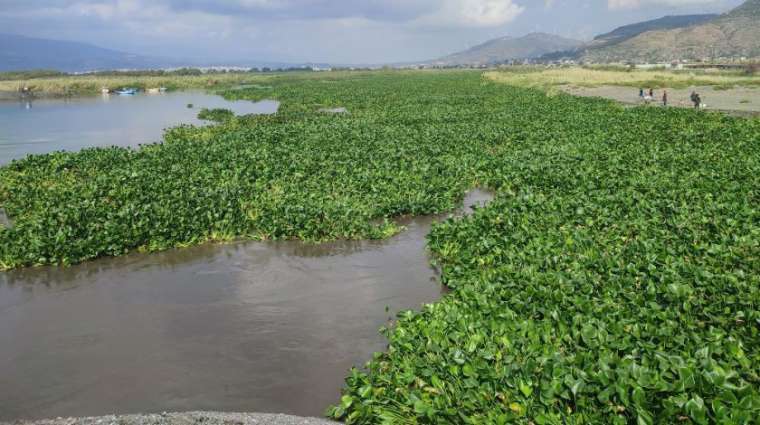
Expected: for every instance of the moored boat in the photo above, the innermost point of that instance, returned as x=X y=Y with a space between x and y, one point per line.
x=126 y=91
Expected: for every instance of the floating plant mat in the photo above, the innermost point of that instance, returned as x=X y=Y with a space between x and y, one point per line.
x=614 y=280
x=252 y=86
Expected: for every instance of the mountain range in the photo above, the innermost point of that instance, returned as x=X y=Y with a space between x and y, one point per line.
x=627 y=32
x=25 y=53
x=687 y=37
x=19 y=53
x=731 y=35
x=503 y=49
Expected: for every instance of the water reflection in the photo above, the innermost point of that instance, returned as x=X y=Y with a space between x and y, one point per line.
x=46 y=125
x=268 y=327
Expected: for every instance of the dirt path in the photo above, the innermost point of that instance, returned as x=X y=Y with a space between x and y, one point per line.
x=205 y=418
x=745 y=100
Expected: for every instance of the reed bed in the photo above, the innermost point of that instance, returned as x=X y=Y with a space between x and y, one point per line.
x=90 y=84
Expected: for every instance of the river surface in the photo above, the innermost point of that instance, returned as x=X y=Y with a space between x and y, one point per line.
x=267 y=327
x=46 y=125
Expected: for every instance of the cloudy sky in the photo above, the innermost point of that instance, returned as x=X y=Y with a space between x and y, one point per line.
x=336 y=31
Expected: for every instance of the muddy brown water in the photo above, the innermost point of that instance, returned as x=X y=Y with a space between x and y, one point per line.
x=267 y=327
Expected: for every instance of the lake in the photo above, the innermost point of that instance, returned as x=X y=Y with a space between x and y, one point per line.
x=47 y=125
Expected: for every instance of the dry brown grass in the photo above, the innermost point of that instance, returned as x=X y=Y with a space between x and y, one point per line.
x=584 y=77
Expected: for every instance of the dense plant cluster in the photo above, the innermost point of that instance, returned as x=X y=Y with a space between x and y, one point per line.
x=615 y=278
x=216 y=115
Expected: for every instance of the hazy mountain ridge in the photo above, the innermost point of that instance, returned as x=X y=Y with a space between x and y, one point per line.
x=21 y=53
x=24 y=53
x=503 y=49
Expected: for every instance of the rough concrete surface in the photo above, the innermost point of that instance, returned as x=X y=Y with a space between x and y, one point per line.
x=188 y=418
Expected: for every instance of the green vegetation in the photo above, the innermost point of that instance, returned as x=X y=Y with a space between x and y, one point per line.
x=91 y=84
x=614 y=279
x=217 y=115
x=27 y=75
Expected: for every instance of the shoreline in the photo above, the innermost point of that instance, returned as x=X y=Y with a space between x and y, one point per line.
x=734 y=102
x=181 y=418
x=14 y=96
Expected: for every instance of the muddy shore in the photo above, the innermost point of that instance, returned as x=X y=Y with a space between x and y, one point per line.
x=206 y=418
x=743 y=101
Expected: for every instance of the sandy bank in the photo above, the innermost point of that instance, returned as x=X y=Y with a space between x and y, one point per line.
x=744 y=100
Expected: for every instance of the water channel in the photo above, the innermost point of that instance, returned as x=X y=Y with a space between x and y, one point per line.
x=267 y=327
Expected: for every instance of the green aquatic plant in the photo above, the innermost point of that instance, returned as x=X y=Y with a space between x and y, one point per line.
x=216 y=115
x=614 y=279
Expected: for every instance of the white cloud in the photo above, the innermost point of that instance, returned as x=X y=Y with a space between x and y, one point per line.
x=635 y=4
x=472 y=13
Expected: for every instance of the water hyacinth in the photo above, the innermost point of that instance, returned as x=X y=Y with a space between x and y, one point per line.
x=218 y=115
x=615 y=278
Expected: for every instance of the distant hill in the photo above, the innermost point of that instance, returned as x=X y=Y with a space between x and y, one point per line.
x=627 y=32
x=509 y=48
x=25 y=53
x=734 y=34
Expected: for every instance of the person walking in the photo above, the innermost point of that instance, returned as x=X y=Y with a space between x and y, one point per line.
x=664 y=98
x=641 y=92
x=651 y=93
x=696 y=99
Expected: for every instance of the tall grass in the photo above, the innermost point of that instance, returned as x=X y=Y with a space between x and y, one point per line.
x=92 y=84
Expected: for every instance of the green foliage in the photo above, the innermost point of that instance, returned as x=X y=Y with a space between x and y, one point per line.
x=29 y=75
x=217 y=115
x=615 y=278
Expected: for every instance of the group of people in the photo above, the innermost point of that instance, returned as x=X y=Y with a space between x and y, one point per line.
x=650 y=97
x=696 y=99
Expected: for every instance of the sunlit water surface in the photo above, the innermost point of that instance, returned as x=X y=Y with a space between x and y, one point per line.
x=47 y=125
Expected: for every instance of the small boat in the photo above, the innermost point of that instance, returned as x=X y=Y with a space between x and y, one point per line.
x=126 y=91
